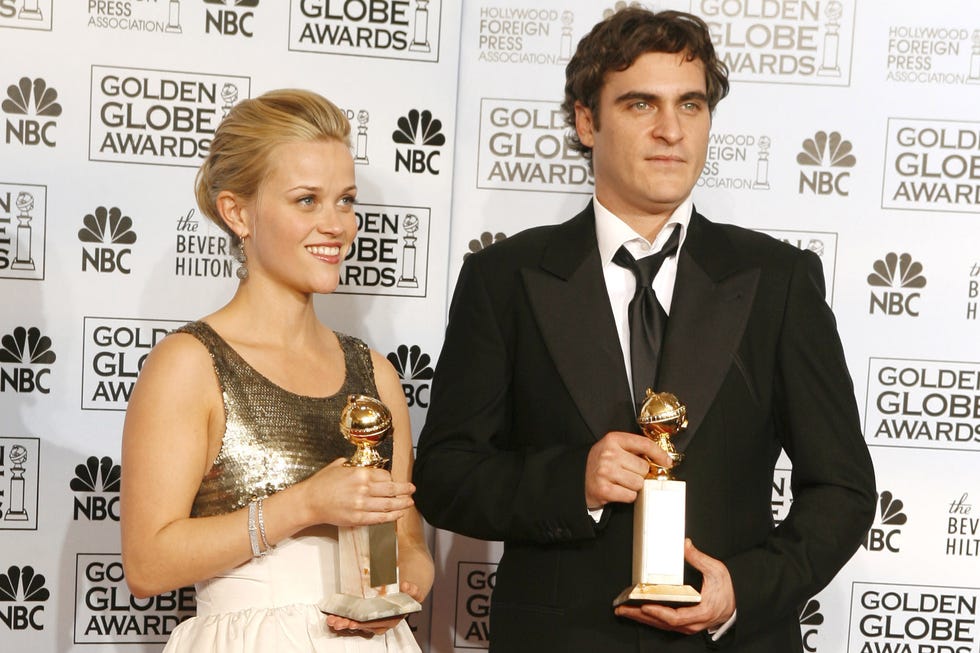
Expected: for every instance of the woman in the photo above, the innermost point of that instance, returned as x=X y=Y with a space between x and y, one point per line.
x=233 y=475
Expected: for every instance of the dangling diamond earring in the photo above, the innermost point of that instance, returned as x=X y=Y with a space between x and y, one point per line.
x=242 y=271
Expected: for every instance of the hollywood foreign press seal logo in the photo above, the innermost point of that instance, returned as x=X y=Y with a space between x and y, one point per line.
x=23 y=598
x=104 y=235
x=391 y=29
x=821 y=243
x=235 y=20
x=113 y=353
x=525 y=35
x=26 y=357
x=736 y=161
x=922 y=404
x=895 y=281
x=933 y=54
x=31 y=107
x=23 y=223
x=474 y=587
x=96 y=488
x=932 y=165
x=159 y=17
x=420 y=136
x=160 y=117
x=106 y=612
x=826 y=160
x=26 y=14
x=19 y=477
x=390 y=255
x=523 y=145
x=783 y=42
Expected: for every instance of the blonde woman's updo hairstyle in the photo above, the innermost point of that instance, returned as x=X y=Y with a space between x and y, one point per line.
x=239 y=157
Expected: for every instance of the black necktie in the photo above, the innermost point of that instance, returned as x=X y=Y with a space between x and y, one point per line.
x=647 y=318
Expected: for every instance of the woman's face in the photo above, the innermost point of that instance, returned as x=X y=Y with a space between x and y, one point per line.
x=301 y=221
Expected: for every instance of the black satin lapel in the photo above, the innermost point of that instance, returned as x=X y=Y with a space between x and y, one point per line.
x=706 y=323
x=577 y=325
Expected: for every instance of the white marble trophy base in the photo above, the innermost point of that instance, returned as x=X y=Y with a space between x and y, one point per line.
x=658 y=547
x=361 y=609
x=369 y=587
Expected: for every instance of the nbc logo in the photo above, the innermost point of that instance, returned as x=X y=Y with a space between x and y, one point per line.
x=810 y=620
x=422 y=134
x=485 y=240
x=884 y=532
x=415 y=370
x=94 y=480
x=25 y=347
x=819 y=153
x=20 y=586
x=900 y=274
x=106 y=227
x=228 y=22
x=31 y=97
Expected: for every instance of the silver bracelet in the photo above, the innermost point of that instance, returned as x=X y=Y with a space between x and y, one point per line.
x=253 y=537
x=265 y=542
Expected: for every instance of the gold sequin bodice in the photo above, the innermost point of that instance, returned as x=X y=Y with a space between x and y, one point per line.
x=274 y=438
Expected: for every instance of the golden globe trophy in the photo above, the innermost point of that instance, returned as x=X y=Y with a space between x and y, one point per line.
x=369 y=587
x=658 y=514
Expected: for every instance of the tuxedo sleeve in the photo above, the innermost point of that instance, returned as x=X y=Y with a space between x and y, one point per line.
x=832 y=482
x=473 y=473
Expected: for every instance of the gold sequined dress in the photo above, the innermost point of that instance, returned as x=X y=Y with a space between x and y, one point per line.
x=273 y=439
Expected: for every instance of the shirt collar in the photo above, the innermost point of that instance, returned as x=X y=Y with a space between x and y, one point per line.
x=611 y=232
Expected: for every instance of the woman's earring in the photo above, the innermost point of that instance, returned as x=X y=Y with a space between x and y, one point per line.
x=242 y=271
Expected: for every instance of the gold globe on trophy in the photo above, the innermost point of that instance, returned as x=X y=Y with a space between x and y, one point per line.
x=662 y=416
x=365 y=422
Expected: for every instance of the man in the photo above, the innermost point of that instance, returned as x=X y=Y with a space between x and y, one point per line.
x=531 y=435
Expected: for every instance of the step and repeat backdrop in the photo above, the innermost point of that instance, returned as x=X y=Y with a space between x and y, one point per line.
x=852 y=129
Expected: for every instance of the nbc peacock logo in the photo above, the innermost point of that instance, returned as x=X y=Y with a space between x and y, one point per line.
x=895 y=281
x=884 y=532
x=31 y=106
x=826 y=159
x=810 y=621
x=422 y=135
x=25 y=360
x=414 y=368
x=22 y=597
x=106 y=232
x=96 y=487
x=483 y=241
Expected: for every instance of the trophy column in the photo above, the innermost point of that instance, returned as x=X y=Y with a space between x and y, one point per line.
x=369 y=587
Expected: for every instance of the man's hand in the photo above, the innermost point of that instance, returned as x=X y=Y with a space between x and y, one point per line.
x=717 y=600
x=616 y=467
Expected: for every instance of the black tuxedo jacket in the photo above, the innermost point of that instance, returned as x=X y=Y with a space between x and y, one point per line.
x=531 y=375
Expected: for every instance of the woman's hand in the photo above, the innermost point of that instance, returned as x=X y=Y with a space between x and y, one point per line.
x=356 y=496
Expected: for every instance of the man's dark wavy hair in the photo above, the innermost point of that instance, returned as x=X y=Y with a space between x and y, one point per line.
x=615 y=43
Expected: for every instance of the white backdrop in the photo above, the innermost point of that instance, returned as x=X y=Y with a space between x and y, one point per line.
x=852 y=129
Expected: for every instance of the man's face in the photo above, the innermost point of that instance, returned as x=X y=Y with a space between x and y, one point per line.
x=652 y=141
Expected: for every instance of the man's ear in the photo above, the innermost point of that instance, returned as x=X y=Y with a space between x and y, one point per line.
x=234 y=212
x=584 y=124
